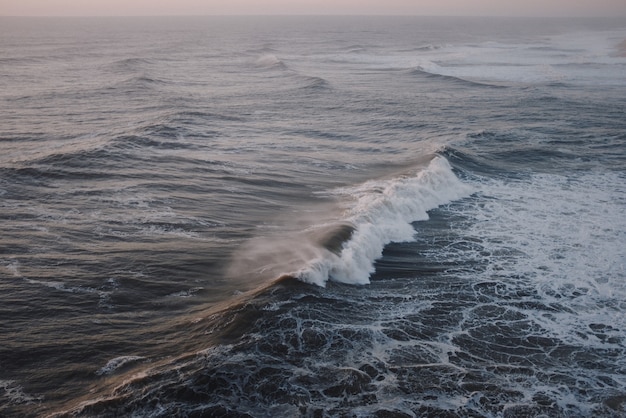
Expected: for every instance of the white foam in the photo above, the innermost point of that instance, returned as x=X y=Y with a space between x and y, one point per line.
x=186 y=293
x=586 y=57
x=116 y=363
x=15 y=393
x=565 y=237
x=268 y=60
x=155 y=231
x=571 y=229
x=382 y=212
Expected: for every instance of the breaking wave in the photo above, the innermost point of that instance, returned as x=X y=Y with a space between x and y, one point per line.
x=382 y=212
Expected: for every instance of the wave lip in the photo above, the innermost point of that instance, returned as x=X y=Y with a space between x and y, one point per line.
x=382 y=212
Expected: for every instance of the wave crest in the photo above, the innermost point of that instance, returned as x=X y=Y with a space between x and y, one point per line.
x=270 y=61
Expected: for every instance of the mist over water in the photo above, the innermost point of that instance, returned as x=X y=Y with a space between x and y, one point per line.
x=312 y=217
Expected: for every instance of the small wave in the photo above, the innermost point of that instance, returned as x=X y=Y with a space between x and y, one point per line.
x=75 y=157
x=270 y=61
x=56 y=151
x=293 y=78
x=142 y=81
x=129 y=64
x=130 y=142
x=14 y=393
x=186 y=293
x=154 y=229
x=315 y=83
x=148 y=80
x=354 y=49
x=30 y=60
x=195 y=116
x=117 y=363
x=77 y=164
x=433 y=71
x=382 y=212
x=427 y=47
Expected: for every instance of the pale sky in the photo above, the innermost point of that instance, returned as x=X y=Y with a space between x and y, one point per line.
x=355 y=7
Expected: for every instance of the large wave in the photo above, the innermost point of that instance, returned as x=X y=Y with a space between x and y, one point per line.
x=381 y=212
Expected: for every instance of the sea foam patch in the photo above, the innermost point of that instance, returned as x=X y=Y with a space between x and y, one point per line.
x=568 y=231
x=551 y=251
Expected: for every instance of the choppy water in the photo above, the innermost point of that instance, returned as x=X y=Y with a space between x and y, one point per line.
x=312 y=217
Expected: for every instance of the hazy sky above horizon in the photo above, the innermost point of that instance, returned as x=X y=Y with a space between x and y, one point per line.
x=370 y=7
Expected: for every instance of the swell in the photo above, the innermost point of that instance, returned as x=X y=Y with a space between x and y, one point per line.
x=130 y=64
x=449 y=79
x=515 y=153
x=181 y=130
x=141 y=82
x=277 y=68
x=314 y=83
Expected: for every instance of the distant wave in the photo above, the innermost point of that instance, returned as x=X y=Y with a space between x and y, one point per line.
x=142 y=81
x=263 y=50
x=270 y=61
x=430 y=71
x=129 y=64
x=301 y=81
x=354 y=49
x=96 y=154
x=314 y=83
x=30 y=60
x=427 y=47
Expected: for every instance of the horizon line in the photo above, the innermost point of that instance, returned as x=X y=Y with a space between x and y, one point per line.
x=521 y=16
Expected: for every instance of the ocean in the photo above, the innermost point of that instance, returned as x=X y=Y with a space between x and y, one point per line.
x=312 y=216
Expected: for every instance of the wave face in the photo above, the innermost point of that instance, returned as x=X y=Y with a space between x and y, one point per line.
x=317 y=217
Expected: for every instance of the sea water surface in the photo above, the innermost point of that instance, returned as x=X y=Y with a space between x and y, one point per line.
x=312 y=216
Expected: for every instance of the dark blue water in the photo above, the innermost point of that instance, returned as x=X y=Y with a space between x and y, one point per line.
x=369 y=217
